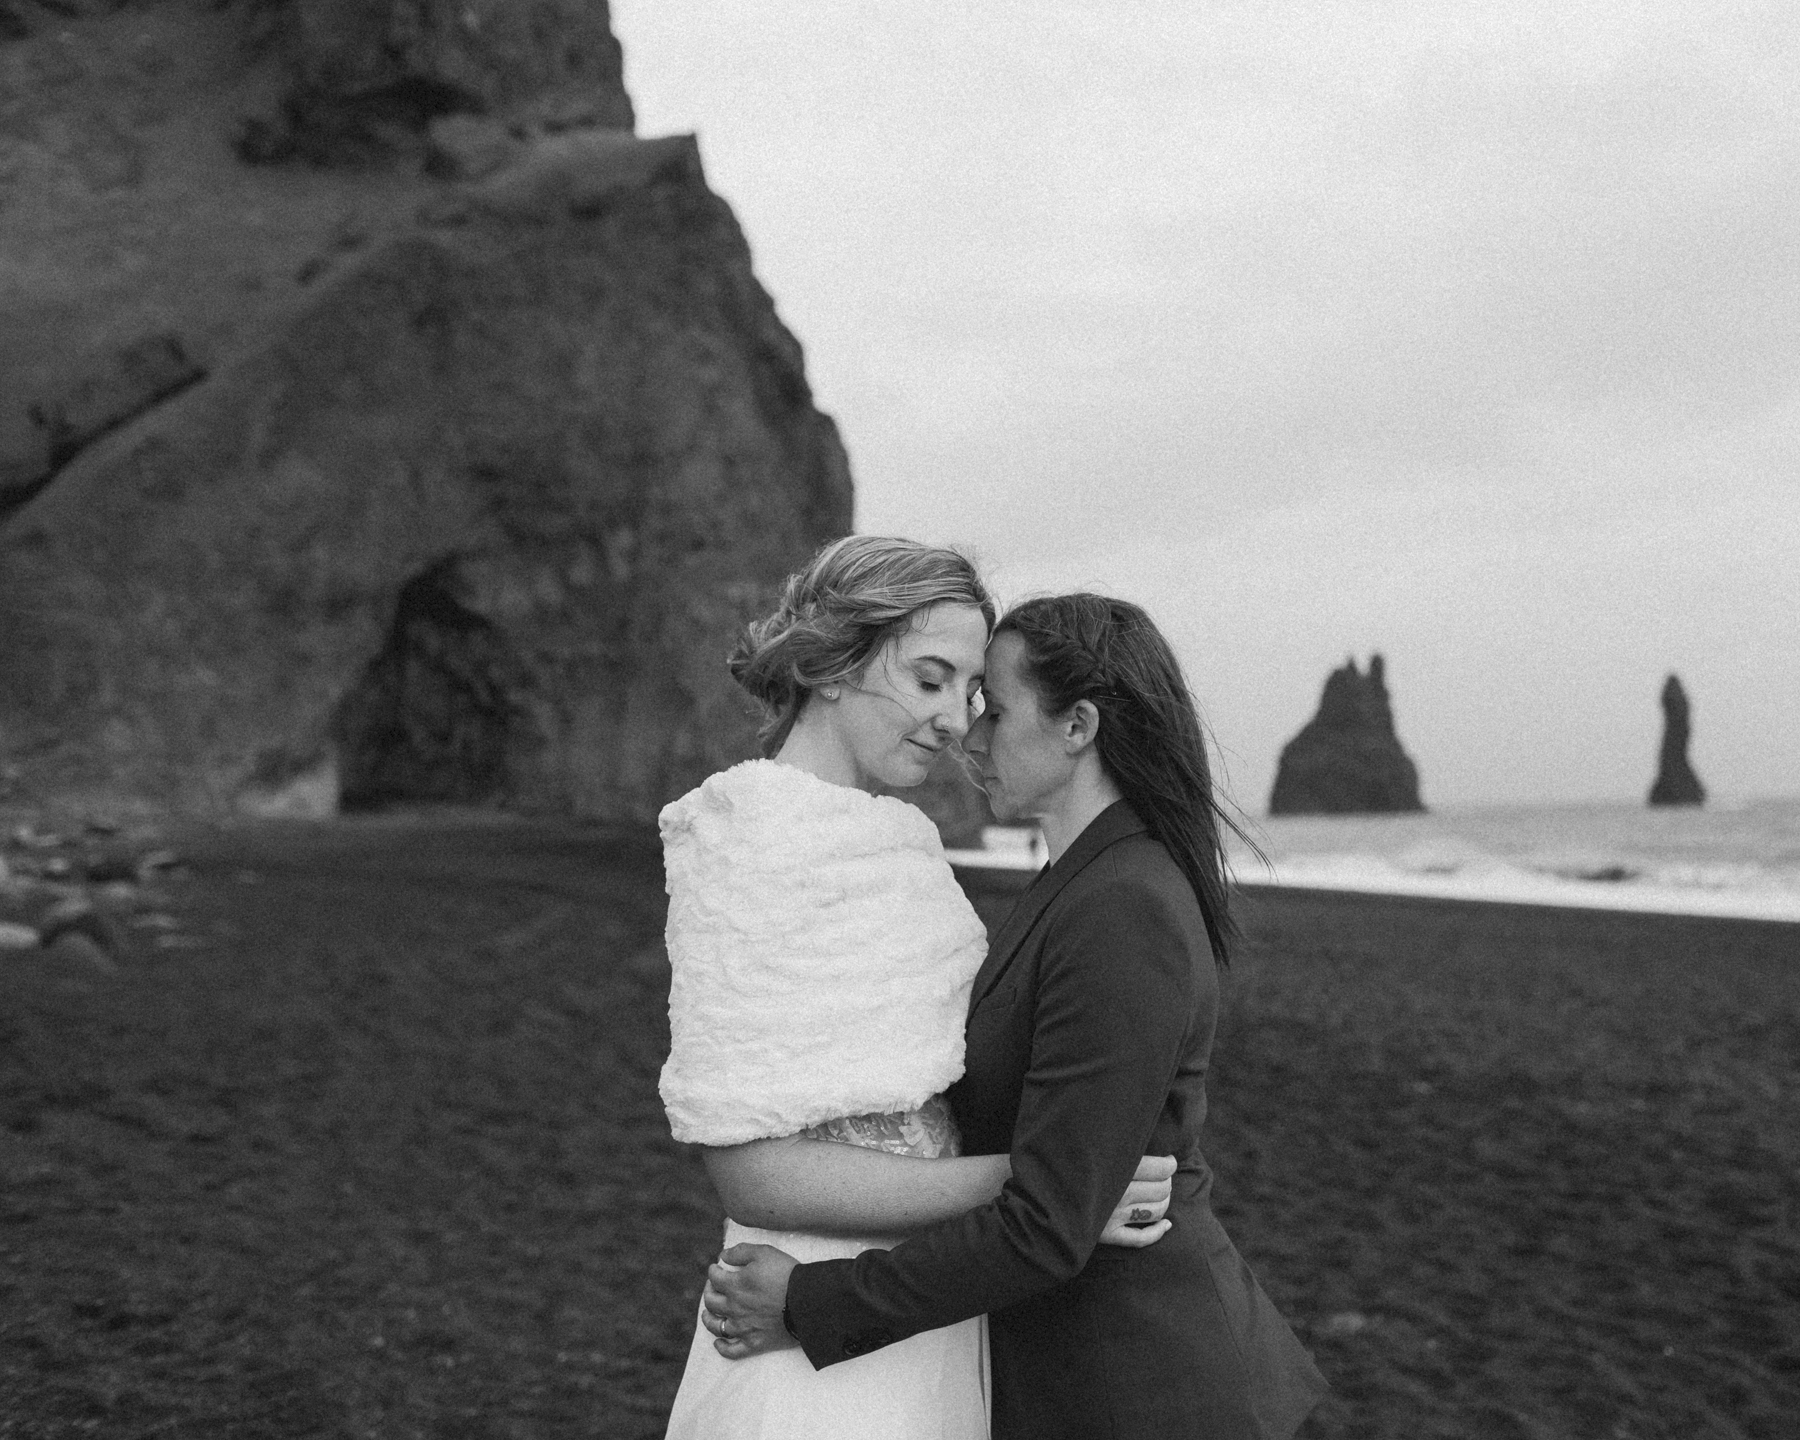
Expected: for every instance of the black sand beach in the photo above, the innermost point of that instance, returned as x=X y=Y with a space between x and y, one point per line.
x=376 y=1150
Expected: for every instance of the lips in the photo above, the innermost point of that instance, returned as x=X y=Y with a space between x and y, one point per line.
x=929 y=750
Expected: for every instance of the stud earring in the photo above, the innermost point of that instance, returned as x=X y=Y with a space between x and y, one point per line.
x=830 y=692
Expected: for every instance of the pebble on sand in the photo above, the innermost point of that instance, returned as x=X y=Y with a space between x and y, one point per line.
x=17 y=937
x=74 y=945
x=78 y=916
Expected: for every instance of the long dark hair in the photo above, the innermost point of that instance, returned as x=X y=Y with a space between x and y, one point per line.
x=1093 y=647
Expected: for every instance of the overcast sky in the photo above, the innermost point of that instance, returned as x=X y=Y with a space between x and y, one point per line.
x=1468 y=332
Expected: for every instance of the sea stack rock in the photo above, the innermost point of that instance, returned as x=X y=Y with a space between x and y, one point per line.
x=381 y=421
x=1348 y=760
x=1676 y=782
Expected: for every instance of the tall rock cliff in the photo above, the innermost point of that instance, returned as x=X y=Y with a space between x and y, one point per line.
x=1347 y=760
x=1676 y=783
x=384 y=421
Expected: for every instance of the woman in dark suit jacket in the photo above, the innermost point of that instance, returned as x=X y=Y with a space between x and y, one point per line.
x=1089 y=1033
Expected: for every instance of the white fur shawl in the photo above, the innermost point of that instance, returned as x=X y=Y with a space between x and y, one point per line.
x=822 y=955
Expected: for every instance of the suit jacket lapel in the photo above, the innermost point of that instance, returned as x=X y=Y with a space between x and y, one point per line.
x=1111 y=824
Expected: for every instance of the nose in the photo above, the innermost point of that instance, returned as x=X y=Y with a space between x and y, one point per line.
x=976 y=740
x=952 y=719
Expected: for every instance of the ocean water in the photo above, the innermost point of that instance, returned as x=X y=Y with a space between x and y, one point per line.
x=1741 y=859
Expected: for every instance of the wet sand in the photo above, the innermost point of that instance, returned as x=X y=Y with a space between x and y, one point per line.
x=383 y=1155
x=1548 y=1157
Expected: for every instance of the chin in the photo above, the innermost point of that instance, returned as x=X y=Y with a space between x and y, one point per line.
x=903 y=773
x=913 y=775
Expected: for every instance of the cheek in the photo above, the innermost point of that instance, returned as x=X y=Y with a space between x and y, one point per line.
x=882 y=722
x=1026 y=754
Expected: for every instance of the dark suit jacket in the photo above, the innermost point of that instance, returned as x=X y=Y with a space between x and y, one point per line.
x=1089 y=1032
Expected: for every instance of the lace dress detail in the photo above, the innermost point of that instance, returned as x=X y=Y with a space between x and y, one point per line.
x=929 y=1386
x=929 y=1132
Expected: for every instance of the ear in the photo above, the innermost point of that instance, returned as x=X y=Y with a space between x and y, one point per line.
x=1080 y=727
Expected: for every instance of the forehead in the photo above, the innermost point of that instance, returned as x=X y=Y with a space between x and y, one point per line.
x=1006 y=666
x=956 y=634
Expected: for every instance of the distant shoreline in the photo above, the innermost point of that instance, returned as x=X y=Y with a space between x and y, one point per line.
x=1607 y=897
x=1569 y=926
x=997 y=881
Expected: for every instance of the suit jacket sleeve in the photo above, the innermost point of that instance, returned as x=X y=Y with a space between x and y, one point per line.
x=1115 y=1004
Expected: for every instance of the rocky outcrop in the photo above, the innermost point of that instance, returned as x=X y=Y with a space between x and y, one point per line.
x=140 y=246
x=411 y=477
x=363 y=79
x=376 y=62
x=1676 y=783
x=1347 y=760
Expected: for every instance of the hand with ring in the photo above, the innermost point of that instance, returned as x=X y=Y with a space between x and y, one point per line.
x=1140 y=1218
x=745 y=1295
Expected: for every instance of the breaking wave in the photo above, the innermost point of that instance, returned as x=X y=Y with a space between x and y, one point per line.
x=1732 y=862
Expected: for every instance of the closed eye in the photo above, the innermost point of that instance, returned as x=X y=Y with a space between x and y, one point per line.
x=932 y=675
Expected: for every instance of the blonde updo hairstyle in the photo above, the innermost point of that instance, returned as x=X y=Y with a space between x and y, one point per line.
x=854 y=596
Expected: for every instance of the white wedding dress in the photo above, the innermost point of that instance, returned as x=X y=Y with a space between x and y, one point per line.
x=930 y=1386
x=821 y=958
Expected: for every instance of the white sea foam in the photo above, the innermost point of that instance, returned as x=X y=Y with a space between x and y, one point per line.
x=1507 y=883
x=993 y=860
x=1740 y=861
x=1004 y=847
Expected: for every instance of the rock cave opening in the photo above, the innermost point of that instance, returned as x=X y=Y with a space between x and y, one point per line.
x=433 y=716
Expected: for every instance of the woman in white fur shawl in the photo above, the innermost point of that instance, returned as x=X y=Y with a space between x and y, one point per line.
x=822 y=959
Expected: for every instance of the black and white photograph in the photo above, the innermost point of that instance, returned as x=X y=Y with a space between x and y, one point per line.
x=855 y=720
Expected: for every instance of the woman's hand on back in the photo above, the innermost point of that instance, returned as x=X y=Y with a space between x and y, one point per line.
x=1138 y=1219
